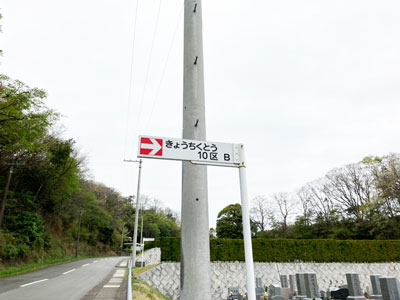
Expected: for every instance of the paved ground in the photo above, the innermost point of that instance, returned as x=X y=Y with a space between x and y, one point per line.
x=70 y=281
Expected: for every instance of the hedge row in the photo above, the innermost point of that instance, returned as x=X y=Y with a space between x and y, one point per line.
x=149 y=245
x=285 y=250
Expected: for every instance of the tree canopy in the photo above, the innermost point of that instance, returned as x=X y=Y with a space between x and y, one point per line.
x=230 y=224
x=356 y=201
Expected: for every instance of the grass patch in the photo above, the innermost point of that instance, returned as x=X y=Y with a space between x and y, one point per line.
x=25 y=268
x=137 y=271
x=141 y=290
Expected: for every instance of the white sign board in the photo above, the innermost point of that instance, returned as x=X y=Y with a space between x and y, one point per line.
x=211 y=153
x=148 y=240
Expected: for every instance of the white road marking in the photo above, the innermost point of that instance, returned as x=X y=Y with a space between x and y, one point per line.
x=95 y=261
x=111 y=286
x=119 y=273
x=123 y=263
x=69 y=271
x=85 y=265
x=33 y=282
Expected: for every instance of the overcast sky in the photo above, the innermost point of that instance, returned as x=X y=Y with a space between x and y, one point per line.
x=307 y=86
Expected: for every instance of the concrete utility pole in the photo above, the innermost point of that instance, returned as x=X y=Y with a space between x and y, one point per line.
x=136 y=216
x=195 y=248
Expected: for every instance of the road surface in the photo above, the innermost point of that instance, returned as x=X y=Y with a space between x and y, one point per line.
x=69 y=281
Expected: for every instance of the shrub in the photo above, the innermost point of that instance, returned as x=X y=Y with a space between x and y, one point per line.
x=286 y=250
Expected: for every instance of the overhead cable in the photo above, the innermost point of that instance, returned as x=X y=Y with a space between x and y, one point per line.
x=131 y=85
x=148 y=67
x=164 y=68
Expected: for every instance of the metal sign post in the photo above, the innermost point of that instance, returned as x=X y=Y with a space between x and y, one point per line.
x=214 y=154
x=248 y=248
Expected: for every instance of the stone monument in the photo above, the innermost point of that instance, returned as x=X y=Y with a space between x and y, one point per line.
x=274 y=290
x=312 y=290
x=353 y=283
x=301 y=285
x=284 y=281
x=292 y=282
x=376 y=287
x=390 y=288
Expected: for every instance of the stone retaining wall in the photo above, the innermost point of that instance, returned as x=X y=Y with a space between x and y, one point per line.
x=165 y=277
x=151 y=256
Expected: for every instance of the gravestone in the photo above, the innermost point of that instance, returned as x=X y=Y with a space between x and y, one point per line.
x=274 y=290
x=301 y=285
x=292 y=282
x=284 y=281
x=234 y=294
x=340 y=294
x=353 y=282
x=286 y=293
x=376 y=287
x=390 y=288
x=259 y=293
x=312 y=290
x=258 y=282
x=259 y=289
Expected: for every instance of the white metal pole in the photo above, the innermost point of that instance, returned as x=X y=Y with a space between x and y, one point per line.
x=129 y=285
x=141 y=240
x=195 y=245
x=136 y=217
x=248 y=249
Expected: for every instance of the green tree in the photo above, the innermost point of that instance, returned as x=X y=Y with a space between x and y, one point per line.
x=157 y=224
x=24 y=125
x=24 y=119
x=229 y=222
x=387 y=181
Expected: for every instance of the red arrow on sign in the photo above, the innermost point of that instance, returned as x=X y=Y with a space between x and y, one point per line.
x=151 y=146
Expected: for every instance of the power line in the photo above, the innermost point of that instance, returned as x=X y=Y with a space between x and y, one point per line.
x=165 y=67
x=131 y=77
x=148 y=67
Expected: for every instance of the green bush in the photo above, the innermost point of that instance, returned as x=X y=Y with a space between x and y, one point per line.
x=12 y=252
x=149 y=245
x=286 y=250
x=27 y=227
x=170 y=249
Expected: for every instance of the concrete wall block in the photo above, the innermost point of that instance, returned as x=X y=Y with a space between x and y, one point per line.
x=151 y=257
x=228 y=274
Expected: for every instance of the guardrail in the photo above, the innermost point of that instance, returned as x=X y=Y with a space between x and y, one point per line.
x=129 y=285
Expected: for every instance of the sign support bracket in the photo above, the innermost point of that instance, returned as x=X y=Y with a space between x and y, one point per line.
x=199 y=153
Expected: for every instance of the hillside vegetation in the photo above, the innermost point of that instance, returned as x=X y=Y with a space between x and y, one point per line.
x=45 y=189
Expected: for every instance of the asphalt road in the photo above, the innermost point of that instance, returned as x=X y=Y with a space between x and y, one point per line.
x=69 y=281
